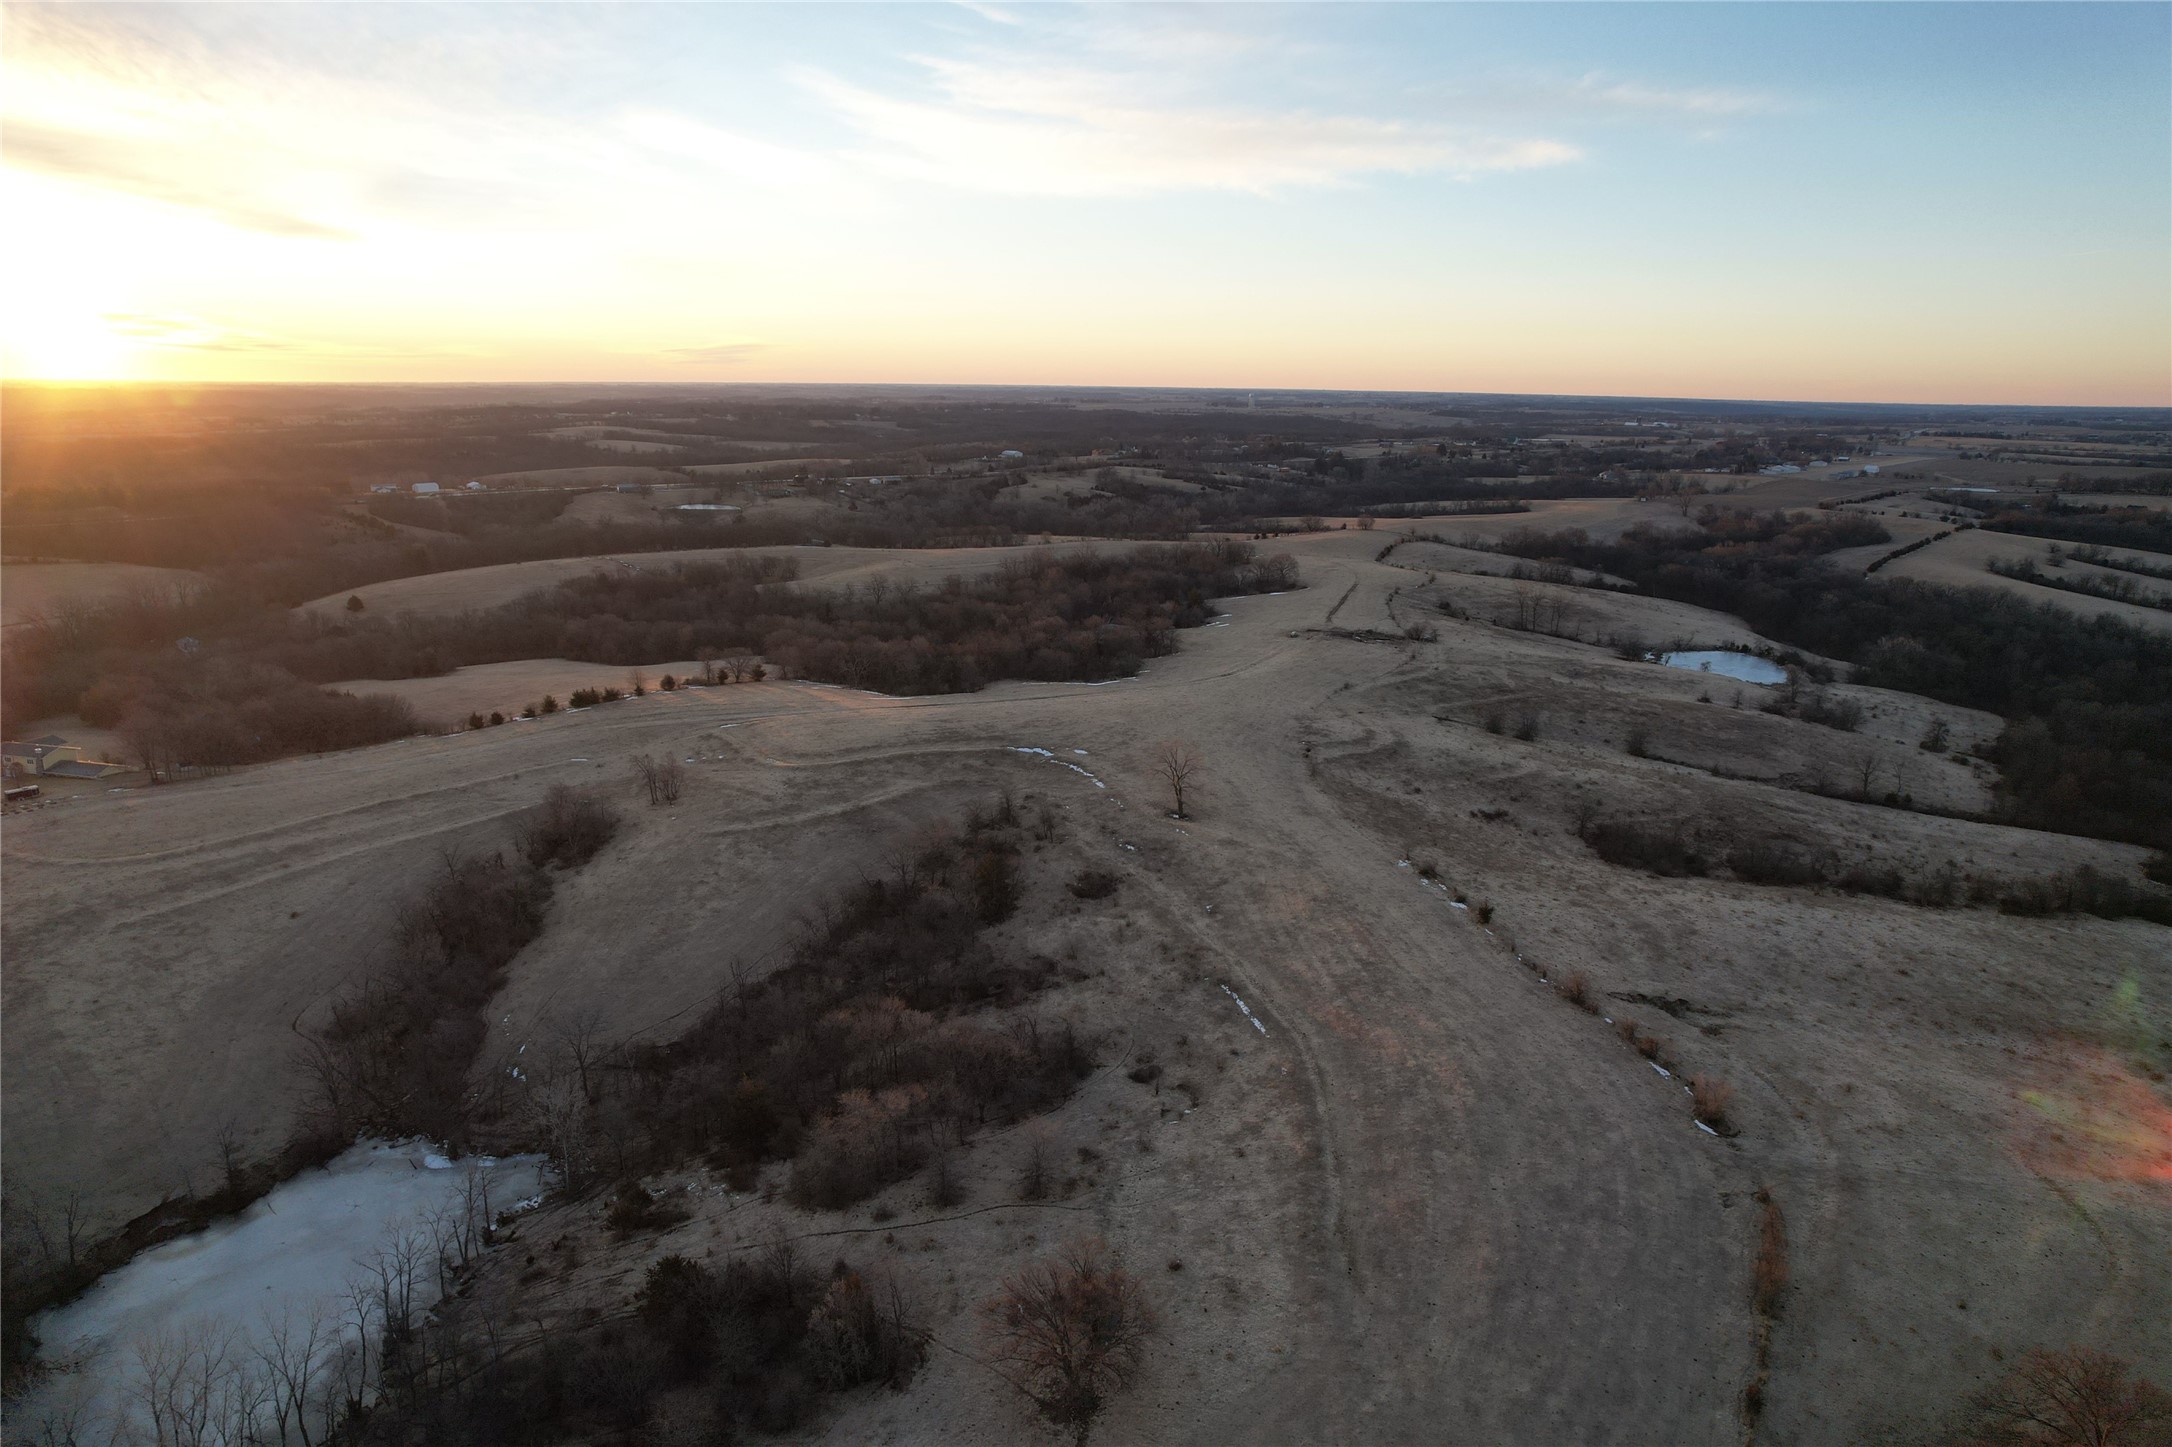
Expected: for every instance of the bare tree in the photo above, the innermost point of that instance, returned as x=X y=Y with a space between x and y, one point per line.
x=1866 y=772
x=559 y=1109
x=1178 y=763
x=580 y=1036
x=1069 y=1330
x=2071 y=1398
x=230 y=1148
x=664 y=778
x=296 y=1354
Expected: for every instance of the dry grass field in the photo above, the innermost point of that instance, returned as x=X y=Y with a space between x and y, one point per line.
x=1958 y=561
x=29 y=590
x=580 y=477
x=771 y=467
x=503 y=582
x=1426 y=1198
x=445 y=702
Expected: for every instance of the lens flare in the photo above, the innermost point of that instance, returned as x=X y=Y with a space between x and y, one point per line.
x=2091 y=1116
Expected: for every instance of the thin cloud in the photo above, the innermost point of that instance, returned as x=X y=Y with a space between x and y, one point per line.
x=1075 y=133
x=148 y=171
x=722 y=353
x=1699 y=102
x=192 y=334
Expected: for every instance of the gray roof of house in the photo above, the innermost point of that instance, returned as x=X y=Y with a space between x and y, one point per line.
x=84 y=769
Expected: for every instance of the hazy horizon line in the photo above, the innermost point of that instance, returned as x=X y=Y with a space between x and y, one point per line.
x=1623 y=398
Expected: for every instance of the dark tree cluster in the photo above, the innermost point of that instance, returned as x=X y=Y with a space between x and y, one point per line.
x=395 y=1055
x=893 y=1031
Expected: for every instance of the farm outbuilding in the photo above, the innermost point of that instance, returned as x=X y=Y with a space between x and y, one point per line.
x=426 y=489
x=55 y=757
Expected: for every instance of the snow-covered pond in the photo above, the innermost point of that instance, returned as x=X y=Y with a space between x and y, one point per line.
x=1745 y=667
x=320 y=1250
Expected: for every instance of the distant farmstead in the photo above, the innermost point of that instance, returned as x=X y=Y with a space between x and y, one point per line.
x=54 y=757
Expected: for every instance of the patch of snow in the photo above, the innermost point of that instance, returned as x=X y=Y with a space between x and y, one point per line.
x=1247 y=1009
x=1706 y=1129
x=1049 y=755
x=1457 y=904
x=1080 y=752
x=1661 y=1069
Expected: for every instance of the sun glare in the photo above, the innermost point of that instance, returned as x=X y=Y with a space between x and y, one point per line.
x=51 y=341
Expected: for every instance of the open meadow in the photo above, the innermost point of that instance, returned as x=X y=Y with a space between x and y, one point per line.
x=1388 y=1103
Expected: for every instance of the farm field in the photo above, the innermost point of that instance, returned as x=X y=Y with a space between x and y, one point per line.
x=503 y=582
x=1958 y=561
x=28 y=590
x=1424 y=1184
x=445 y=702
x=580 y=477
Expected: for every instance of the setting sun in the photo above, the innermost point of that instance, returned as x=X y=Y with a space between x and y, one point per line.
x=62 y=343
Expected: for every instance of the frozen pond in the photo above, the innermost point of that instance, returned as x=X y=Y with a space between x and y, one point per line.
x=1745 y=667
x=327 y=1248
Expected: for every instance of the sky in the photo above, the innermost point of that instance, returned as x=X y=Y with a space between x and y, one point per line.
x=1847 y=202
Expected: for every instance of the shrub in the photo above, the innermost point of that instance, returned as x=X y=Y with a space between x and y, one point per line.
x=995 y=885
x=475 y=720
x=496 y=718
x=1638 y=744
x=611 y=695
x=1649 y=848
x=1770 y=863
x=550 y=703
x=1071 y=1331
x=1576 y=989
x=1527 y=727
x=1642 y=1041
x=2084 y=890
x=1094 y=884
x=1709 y=1098
x=568 y=829
x=667 y=683
x=634 y=1209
